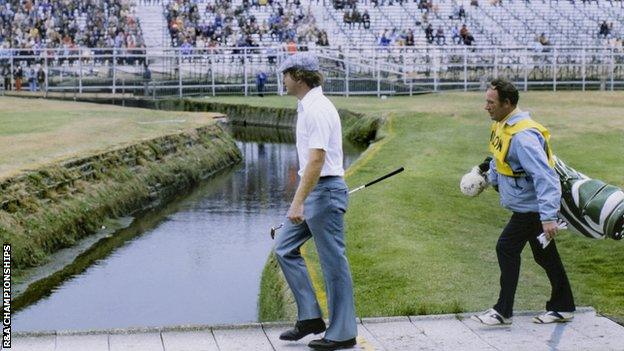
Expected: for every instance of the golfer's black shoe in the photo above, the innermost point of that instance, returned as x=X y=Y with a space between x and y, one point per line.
x=303 y=328
x=325 y=344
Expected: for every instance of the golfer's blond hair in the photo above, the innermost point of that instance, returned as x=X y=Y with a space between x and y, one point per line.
x=312 y=79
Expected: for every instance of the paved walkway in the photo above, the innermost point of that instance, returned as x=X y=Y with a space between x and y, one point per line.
x=587 y=331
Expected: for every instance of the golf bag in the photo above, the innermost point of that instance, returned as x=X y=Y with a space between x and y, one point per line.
x=590 y=206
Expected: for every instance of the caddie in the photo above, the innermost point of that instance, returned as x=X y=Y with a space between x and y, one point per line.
x=522 y=171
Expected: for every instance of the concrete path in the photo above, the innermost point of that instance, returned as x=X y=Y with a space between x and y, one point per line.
x=587 y=331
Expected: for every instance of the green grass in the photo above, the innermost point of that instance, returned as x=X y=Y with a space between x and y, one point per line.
x=38 y=131
x=417 y=245
x=275 y=302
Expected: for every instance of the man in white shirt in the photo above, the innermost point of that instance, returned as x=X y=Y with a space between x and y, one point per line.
x=317 y=211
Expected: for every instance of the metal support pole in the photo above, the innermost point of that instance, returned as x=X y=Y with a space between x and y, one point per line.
x=583 y=69
x=555 y=69
x=12 y=70
x=347 y=68
x=114 y=70
x=179 y=73
x=435 y=71
x=47 y=73
x=80 y=71
x=378 y=73
x=212 y=74
x=612 y=64
x=526 y=69
x=465 y=69
x=245 y=71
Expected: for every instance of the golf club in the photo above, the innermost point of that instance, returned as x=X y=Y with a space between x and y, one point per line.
x=396 y=171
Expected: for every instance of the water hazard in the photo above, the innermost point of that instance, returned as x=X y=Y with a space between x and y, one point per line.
x=196 y=260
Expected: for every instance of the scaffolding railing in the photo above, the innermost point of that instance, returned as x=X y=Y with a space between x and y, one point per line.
x=357 y=70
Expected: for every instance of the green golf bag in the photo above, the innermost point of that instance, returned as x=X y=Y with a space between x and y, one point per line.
x=590 y=206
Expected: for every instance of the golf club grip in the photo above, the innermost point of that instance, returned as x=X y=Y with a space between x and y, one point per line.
x=384 y=177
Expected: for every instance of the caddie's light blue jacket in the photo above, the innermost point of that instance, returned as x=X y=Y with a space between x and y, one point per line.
x=538 y=191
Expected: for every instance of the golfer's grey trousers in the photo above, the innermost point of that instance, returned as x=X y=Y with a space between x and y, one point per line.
x=324 y=211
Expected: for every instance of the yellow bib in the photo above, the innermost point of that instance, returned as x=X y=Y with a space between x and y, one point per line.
x=500 y=140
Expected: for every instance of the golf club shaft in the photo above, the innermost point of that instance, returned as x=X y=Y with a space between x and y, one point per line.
x=396 y=171
x=356 y=189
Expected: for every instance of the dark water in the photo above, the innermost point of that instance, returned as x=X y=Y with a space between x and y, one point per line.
x=197 y=260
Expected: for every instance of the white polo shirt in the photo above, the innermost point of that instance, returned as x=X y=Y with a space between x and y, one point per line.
x=318 y=127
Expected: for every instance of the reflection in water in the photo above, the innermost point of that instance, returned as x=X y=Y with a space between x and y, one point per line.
x=263 y=135
x=197 y=260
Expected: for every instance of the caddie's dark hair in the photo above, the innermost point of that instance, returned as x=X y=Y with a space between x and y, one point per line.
x=506 y=90
x=312 y=79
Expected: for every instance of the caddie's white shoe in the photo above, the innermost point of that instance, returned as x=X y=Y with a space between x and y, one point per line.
x=491 y=317
x=553 y=317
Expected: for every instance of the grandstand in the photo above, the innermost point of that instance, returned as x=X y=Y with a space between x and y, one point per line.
x=508 y=23
x=35 y=25
x=189 y=46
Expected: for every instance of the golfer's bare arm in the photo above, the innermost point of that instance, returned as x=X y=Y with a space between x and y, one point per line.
x=311 y=174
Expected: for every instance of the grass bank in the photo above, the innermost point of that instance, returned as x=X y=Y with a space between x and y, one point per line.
x=34 y=132
x=69 y=168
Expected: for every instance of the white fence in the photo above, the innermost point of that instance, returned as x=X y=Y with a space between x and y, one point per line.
x=348 y=71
